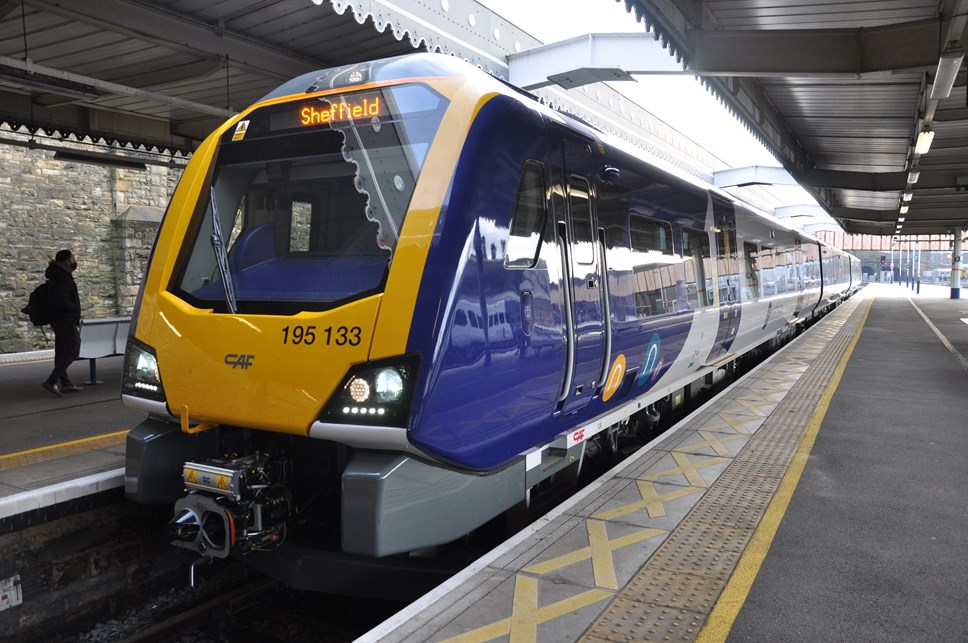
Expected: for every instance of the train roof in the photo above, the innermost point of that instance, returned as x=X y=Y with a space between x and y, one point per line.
x=425 y=65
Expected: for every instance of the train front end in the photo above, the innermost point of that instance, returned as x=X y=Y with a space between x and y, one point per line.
x=270 y=341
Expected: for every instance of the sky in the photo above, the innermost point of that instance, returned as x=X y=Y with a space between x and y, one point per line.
x=678 y=100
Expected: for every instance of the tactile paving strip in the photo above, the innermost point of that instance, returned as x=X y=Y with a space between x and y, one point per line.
x=648 y=556
x=675 y=591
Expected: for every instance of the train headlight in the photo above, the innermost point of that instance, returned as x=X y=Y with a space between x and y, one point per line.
x=359 y=389
x=388 y=385
x=374 y=394
x=141 y=376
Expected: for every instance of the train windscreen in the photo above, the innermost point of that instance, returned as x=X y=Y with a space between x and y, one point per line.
x=306 y=201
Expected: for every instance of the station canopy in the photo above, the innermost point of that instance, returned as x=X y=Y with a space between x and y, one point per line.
x=841 y=91
x=864 y=103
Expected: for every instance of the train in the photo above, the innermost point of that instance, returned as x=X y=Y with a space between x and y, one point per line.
x=391 y=301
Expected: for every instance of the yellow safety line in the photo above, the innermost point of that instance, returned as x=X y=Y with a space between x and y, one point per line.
x=63 y=445
x=27 y=361
x=727 y=608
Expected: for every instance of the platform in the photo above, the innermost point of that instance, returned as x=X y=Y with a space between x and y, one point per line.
x=53 y=450
x=822 y=497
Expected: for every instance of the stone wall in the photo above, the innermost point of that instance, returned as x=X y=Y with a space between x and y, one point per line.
x=108 y=216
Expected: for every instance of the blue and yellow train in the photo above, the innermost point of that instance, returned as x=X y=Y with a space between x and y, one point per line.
x=390 y=299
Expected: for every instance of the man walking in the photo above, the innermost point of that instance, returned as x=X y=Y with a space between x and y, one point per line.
x=65 y=311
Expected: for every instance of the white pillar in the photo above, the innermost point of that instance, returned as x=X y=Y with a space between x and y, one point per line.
x=956 y=266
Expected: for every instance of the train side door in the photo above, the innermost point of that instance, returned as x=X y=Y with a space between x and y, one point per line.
x=584 y=277
x=727 y=277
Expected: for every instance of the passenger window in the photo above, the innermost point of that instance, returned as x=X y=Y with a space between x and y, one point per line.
x=654 y=265
x=780 y=270
x=752 y=269
x=300 y=224
x=528 y=219
x=695 y=252
x=766 y=271
x=581 y=221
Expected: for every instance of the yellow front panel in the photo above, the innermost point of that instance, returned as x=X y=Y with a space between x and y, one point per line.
x=245 y=370
x=250 y=370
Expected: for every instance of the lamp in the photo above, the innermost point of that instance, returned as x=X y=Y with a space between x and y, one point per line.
x=913 y=176
x=16 y=78
x=944 y=77
x=907 y=195
x=903 y=210
x=925 y=137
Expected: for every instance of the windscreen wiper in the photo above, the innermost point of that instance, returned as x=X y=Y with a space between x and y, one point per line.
x=221 y=256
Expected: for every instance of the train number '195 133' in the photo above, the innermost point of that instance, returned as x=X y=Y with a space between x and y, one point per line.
x=331 y=335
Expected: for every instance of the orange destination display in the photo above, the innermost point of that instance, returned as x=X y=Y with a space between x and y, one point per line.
x=344 y=110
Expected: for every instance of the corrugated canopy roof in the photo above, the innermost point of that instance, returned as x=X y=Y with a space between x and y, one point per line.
x=164 y=73
x=840 y=91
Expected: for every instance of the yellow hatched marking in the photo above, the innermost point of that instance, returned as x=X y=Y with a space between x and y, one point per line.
x=760 y=400
x=651 y=501
x=599 y=550
x=779 y=381
x=747 y=407
x=730 y=421
x=770 y=392
x=687 y=468
x=522 y=625
x=710 y=440
x=524 y=609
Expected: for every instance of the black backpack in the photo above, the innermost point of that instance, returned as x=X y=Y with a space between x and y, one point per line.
x=38 y=306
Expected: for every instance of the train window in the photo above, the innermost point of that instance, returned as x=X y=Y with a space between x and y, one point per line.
x=780 y=270
x=299 y=225
x=654 y=265
x=751 y=254
x=793 y=270
x=324 y=185
x=766 y=271
x=581 y=221
x=528 y=219
x=697 y=258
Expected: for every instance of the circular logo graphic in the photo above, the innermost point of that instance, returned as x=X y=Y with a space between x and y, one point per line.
x=615 y=377
x=653 y=361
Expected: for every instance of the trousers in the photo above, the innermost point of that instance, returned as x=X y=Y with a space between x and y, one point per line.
x=67 y=347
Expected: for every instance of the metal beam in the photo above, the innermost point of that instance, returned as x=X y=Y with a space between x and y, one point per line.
x=489 y=40
x=854 y=53
x=752 y=175
x=870 y=216
x=589 y=59
x=31 y=73
x=802 y=212
x=871 y=181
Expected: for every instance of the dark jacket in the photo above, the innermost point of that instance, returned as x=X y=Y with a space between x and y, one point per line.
x=65 y=304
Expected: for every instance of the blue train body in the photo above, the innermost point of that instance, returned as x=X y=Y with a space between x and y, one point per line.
x=433 y=294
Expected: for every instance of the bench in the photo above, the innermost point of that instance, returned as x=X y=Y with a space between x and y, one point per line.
x=103 y=338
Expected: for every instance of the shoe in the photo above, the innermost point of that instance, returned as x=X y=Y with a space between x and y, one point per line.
x=71 y=388
x=53 y=388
